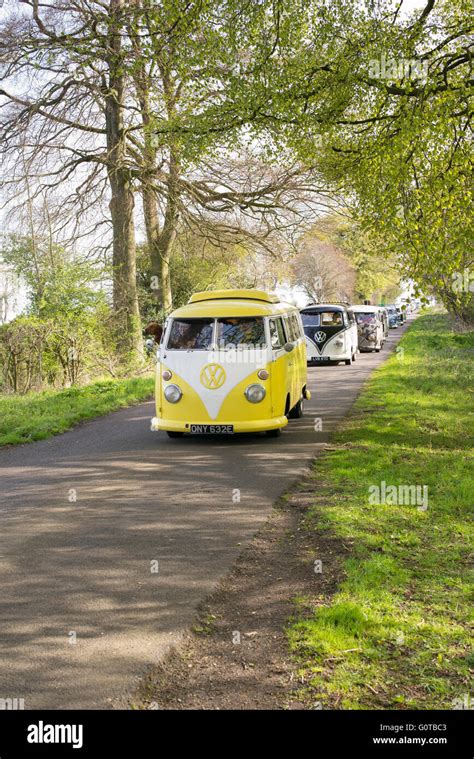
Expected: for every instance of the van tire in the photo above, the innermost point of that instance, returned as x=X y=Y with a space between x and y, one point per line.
x=297 y=410
x=348 y=362
x=273 y=433
x=174 y=433
x=353 y=357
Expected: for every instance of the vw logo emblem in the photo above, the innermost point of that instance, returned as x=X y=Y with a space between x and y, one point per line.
x=320 y=337
x=212 y=376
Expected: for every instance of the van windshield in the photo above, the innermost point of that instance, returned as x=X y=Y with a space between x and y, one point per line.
x=331 y=319
x=190 y=334
x=247 y=331
x=369 y=318
x=310 y=320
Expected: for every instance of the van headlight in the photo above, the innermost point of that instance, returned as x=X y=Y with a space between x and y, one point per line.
x=255 y=393
x=339 y=343
x=173 y=393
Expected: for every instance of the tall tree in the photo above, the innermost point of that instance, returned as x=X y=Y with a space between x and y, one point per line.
x=65 y=87
x=85 y=121
x=215 y=184
x=378 y=98
x=118 y=170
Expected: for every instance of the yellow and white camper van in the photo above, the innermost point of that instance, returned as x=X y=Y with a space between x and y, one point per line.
x=230 y=361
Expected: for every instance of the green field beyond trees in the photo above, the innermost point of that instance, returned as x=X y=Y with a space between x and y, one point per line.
x=395 y=633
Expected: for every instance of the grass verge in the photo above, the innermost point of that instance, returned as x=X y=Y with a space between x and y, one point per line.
x=39 y=415
x=396 y=632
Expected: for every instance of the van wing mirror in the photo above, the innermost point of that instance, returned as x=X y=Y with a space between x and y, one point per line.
x=288 y=347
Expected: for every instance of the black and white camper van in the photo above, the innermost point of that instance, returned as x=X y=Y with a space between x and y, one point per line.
x=331 y=333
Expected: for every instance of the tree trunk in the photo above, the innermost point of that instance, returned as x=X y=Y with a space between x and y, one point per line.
x=161 y=253
x=160 y=241
x=160 y=246
x=152 y=226
x=125 y=295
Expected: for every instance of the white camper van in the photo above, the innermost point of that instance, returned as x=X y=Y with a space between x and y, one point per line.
x=330 y=332
x=370 y=328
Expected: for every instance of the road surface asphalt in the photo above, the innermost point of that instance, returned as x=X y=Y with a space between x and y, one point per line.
x=86 y=515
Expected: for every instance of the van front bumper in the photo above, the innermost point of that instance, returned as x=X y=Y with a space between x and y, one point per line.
x=254 y=425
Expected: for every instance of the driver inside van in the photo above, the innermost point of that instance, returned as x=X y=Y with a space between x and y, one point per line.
x=331 y=319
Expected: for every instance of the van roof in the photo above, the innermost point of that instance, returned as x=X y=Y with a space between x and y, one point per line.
x=317 y=307
x=365 y=309
x=224 y=303
x=234 y=294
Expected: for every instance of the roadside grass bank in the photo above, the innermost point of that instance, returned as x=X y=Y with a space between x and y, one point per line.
x=395 y=634
x=37 y=416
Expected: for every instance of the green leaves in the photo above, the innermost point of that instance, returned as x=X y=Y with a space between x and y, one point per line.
x=58 y=285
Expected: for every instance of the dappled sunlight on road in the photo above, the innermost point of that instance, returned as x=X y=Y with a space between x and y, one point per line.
x=85 y=514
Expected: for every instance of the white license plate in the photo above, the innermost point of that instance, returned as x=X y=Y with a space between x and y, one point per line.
x=211 y=429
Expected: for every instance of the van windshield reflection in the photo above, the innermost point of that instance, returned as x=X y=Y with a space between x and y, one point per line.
x=240 y=332
x=191 y=334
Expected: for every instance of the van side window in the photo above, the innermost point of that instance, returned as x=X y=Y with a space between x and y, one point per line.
x=300 y=322
x=287 y=328
x=277 y=336
x=293 y=326
x=298 y=325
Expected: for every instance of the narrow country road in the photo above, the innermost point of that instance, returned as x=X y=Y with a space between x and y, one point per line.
x=84 y=515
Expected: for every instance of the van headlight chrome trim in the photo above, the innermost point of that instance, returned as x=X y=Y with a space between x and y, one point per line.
x=255 y=393
x=173 y=393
